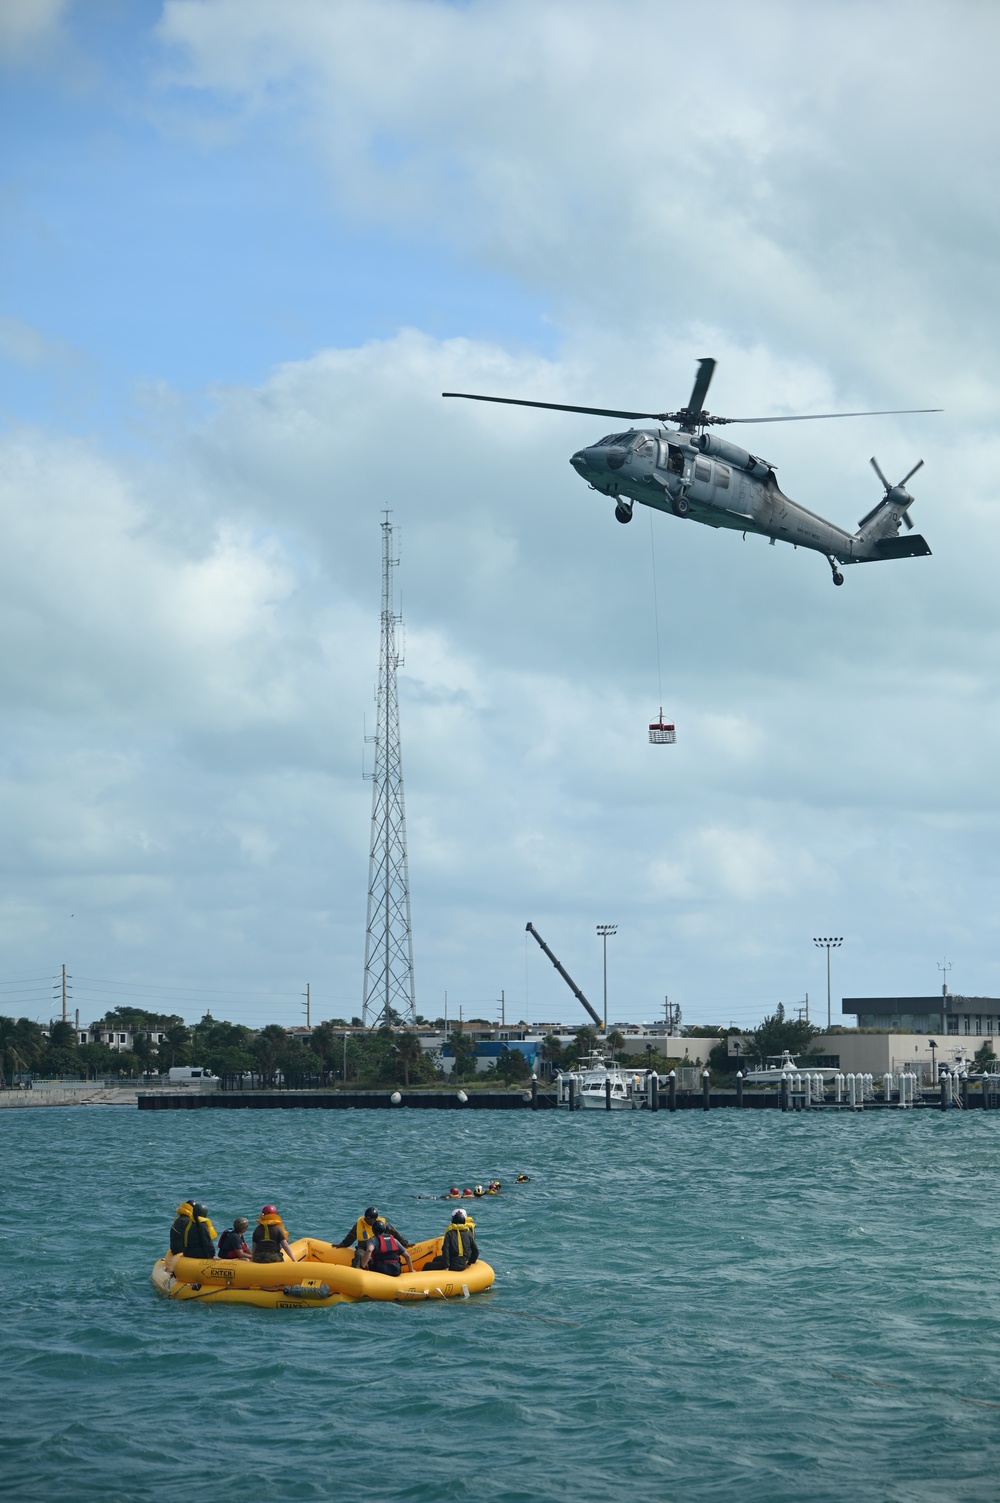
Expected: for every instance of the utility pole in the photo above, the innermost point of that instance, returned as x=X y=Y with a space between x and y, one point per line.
x=63 y=992
x=604 y=930
x=388 y=938
x=308 y=997
x=503 y=1011
x=828 y=944
x=944 y=966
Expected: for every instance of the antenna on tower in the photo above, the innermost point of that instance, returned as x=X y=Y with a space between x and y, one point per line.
x=388 y=996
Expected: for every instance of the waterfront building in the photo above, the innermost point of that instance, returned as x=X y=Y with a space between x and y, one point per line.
x=963 y=1017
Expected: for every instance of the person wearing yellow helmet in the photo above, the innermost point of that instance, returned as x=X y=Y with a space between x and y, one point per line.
x=192 y=1234
x=270 y=1240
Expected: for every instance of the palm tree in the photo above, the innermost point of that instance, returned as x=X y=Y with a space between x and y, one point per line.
x=409 y=1051
x=11 y=1058
x=615 y=1041
x=552 y=1053
x=265 y=1049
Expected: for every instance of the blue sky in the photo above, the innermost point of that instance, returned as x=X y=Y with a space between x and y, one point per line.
x=245 y=246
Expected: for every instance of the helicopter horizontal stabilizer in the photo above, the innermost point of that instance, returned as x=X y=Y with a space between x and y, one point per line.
x=913 y=546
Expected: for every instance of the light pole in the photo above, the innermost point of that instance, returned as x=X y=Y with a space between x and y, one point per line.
x=604 y=930
x=828 y=944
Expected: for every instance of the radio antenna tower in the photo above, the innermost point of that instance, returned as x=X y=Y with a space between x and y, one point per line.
x=389 y=938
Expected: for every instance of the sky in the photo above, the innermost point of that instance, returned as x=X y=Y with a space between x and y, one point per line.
x=244 y=247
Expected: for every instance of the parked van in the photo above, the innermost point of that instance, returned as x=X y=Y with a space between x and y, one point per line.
x=185 y=1074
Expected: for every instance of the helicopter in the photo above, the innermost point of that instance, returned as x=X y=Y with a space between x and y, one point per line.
x=696 y=475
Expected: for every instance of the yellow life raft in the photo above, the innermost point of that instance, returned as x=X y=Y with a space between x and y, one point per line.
x=318 y=1274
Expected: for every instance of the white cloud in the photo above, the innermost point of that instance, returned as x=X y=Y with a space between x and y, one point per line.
x=819 y=176
x=27 y=26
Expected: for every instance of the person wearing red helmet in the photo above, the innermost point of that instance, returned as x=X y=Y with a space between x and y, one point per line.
x=270 y=1240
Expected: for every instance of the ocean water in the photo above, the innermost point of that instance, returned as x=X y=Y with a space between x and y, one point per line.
x=733 y=1306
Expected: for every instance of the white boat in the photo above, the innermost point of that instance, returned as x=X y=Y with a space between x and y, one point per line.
x=591 y=1085
x=775 y=1068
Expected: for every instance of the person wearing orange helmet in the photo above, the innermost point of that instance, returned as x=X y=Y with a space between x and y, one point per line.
x=270 y=1240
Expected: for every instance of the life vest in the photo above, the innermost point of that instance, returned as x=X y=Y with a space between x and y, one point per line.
x=185 y=1223
x=463 y=1249
x=385 y=1256
x=363 y=1231
x=231 y=1242
x=267 y=1248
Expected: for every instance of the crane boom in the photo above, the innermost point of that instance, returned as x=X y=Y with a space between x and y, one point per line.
x=578 y=994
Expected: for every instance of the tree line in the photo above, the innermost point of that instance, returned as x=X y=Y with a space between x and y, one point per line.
x=382 y=1056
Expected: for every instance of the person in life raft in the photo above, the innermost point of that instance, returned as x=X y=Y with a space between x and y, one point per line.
x=459 y=1248
x=270 y=1240
x=364 y=1229
x=192 y=1234
x=383 y=1251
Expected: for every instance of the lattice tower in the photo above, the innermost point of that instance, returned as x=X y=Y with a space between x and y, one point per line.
x=389 y=991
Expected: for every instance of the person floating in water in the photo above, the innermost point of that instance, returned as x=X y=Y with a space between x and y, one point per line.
x=523 y=1179
x=270 y=1239
x=192 y=1234
x=453 y=1194
x=364 y=1229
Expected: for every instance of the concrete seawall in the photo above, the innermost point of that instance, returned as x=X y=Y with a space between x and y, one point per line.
x=71 y=1096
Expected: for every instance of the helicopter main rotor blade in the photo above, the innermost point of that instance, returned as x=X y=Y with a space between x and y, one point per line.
x=878 y=470
x=910 y=474
x=703 y=380
x=472 y=396
x=809 y=417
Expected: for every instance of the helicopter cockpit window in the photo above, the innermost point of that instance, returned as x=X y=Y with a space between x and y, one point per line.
x=618 y=440
x=646 y=447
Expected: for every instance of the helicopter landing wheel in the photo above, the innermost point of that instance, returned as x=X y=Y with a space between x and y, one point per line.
x=682 y=507
x=623 y=513
x=838 y=578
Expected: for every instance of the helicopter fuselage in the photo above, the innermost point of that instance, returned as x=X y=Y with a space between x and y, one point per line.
x=710 y=480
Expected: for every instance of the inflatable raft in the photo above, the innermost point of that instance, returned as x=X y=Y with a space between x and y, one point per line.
x=319 y=1274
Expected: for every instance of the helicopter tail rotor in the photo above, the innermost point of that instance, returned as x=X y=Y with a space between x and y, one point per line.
x=898 y=494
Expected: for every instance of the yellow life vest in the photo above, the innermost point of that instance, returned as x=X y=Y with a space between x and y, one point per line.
x=363 y=1231
x=187 y=1209
x=468 y=1225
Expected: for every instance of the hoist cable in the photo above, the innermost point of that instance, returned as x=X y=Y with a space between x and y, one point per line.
x=656 y=611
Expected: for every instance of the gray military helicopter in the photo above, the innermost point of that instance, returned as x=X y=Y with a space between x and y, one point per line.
x=692 y=473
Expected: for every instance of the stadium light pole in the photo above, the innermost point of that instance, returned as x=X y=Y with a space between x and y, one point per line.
x=828 y=944
x=604 y=930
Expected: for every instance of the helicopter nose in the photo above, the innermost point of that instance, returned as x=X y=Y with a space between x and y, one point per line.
x=579 y=461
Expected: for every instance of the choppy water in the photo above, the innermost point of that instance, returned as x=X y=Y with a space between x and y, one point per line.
x=735 y=1306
